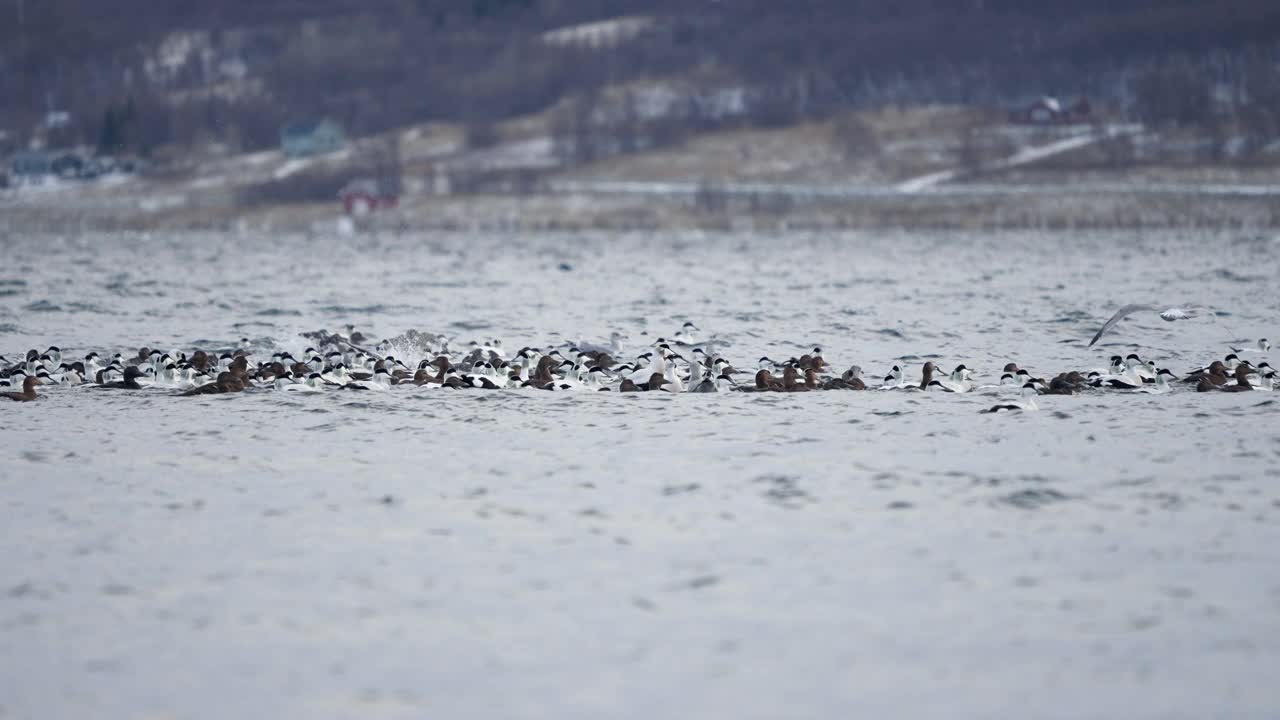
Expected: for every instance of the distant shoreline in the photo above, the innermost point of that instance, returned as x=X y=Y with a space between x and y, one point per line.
x=954 y=207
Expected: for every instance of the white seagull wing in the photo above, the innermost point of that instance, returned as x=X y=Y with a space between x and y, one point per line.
x=1121 y=314
x=1168 y=313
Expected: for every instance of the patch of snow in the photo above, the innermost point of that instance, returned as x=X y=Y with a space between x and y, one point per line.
x=532 y=153
x=924 y=182
x=157 y=203
x=291 y=167
x=1024 y=156
x=600 y=33
x=208 y=182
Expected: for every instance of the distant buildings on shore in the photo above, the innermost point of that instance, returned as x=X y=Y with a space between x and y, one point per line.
x=33 y=167
x=1049 y=110
x=308 y=138
x=365 y=195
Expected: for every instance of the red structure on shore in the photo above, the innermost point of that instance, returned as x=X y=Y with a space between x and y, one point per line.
x=360 y=197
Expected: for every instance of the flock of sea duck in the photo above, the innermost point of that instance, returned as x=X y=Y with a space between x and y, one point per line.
x=675 y=365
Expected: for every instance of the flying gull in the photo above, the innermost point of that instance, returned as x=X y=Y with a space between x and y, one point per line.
x=1167 y=313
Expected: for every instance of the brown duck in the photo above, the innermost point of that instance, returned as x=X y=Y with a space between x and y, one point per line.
x=227 y=382
x=1242 y=381
x=28 y=390
x=926 y=375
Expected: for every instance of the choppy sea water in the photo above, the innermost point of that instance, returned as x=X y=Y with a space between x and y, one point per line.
x=530 y=555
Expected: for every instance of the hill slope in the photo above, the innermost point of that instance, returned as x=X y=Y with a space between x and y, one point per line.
x=233 y=70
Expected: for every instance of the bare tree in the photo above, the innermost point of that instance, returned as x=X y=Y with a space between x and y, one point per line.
x=628 y=125
x=971 y=155
x=387 y=163
x=711 y=198
x=1118 y=149
x=576 y=138
x=855 y=137
x=1175 y=95
x=480 y=133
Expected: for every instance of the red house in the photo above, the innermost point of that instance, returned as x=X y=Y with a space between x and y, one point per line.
x=363 y=196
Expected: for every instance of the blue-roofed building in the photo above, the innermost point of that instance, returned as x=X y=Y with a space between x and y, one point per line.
x=307 y=138
x=33 y=164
